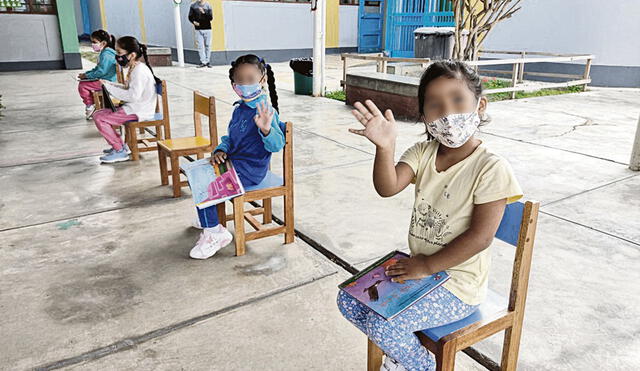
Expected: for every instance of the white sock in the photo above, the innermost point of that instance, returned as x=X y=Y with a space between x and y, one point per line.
x=217 y=229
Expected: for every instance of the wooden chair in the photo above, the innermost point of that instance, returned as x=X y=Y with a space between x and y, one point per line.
x=272 y=186
x=518 y=228
x=196 y=145
x=160 y=122
x=98 y=99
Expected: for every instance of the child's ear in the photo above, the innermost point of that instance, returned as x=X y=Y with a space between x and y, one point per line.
x=482 y=107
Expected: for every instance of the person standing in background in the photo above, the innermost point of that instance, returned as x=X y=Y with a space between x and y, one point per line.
x=201 y=15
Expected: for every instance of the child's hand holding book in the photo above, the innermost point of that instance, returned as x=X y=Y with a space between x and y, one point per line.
x=413 y=268
x=218 y=158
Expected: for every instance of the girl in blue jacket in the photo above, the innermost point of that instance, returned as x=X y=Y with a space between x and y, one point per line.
x=255 y=132
x=103 y=43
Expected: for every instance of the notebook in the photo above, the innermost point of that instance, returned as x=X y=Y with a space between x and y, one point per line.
x=108 y=103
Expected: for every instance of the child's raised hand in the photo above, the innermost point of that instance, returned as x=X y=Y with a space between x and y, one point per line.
x=264 y=117
x=380 y=130
x=218 y=158
x=413 y=268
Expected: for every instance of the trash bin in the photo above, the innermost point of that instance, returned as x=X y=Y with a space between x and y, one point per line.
x=302 y=75
x=434 y=42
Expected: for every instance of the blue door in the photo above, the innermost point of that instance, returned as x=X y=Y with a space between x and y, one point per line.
x=370 y=17
x=404 y=16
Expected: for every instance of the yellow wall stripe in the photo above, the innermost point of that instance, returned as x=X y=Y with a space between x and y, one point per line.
x=217 y=26
x=332 y=39
x=103 y=15
x=143 y=30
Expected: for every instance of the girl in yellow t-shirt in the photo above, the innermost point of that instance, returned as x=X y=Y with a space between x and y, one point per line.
x=461 y=189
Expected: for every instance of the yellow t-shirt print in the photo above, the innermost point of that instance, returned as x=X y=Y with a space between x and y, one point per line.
x=444 y=204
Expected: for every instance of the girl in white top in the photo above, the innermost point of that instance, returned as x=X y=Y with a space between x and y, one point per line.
x=138 y=93
x=461 y=189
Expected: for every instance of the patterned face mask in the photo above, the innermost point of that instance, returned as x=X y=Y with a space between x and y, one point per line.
x=455 y=130
x=96 y=47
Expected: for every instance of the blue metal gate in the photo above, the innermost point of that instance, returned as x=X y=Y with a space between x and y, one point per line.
x=404 y=16
x=370 y=18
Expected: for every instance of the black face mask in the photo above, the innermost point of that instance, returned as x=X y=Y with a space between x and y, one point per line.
x=122 y=60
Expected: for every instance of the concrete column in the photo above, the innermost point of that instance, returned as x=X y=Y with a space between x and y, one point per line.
x=69 y=34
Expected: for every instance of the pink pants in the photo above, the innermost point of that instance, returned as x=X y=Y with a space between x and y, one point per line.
x=85 y=88
x=106 y=121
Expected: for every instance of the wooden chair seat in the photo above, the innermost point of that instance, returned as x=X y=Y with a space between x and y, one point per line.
x=493 y=306
x=173 y=148
x=271 y=186
x=179 y=144
x=160 y=122
x=496 y=313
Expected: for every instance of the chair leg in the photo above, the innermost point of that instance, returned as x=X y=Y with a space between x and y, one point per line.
x=446 y=358
x=289 y=233
x=133 y=143
x=200 y=155
x=266 y=215
x=164 y=174
x=141 y=130
x=374 y=356
x=511 y=348
x=222 y=214
x=175 y=176
x=238 y=222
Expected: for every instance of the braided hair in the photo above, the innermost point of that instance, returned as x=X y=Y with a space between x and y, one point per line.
x=131 y=45
x=264 y=69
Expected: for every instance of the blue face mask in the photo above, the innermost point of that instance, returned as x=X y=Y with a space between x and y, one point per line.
x=248 y=92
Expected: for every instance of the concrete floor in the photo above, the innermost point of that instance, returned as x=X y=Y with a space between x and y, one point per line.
x=94 y=267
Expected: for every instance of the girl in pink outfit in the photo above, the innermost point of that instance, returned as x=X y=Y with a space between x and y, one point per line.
x=138 y=93
x=102 y=43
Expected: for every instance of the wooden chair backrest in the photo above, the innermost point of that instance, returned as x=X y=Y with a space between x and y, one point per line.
x=205 y=106
x=162 y=104
x=518 y=228
x=287 y=157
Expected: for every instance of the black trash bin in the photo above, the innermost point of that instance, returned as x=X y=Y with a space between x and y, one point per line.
x=302 y=75
x=434 y=42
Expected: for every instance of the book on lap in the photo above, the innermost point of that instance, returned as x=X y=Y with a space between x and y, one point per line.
x=108 y=103
x=211 y=185
x=373 y=288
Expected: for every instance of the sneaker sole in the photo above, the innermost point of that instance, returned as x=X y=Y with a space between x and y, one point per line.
x=114 y=161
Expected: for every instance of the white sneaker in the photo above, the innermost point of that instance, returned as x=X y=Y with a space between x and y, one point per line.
x=210 y=242
x=89 y=111
x=391 y=364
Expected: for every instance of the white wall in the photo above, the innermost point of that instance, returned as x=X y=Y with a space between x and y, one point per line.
x=348 y=26
x=608 y=29
x=123 y=18
x=33 y=37
x=248 y=25
x=263 y=25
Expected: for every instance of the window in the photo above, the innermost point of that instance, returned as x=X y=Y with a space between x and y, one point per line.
x=349 y=2
x=28 y=6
